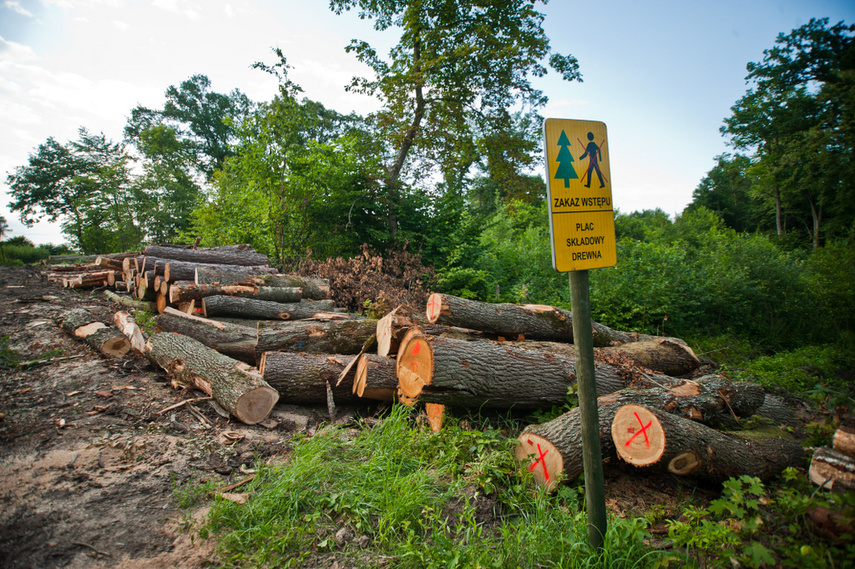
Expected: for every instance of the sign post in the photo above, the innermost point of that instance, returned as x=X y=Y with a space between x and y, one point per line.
x=582 y=230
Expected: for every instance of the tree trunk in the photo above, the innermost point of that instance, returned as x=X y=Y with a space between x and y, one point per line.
x=243 y=255
x=645 y=436
x=486 y=374
x=313 y=289
x=187 y=291
x=832 y=470
x=237 y=387
x=330 y=337
x=513 y=321
x=302 y=378
x=174 y=270
x=130 y=302
x=375 y=378
x=106 y=339
x=233 y=340
x=263 y=309
x=776 y=409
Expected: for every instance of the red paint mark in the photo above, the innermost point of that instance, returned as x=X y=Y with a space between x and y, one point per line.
x=415 y=366
x=642 y=431
x=417 y=349
x=541 y=460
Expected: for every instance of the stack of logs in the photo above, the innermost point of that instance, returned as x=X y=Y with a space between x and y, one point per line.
x=465 y=353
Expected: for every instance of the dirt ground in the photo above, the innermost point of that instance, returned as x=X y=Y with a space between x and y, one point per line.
x=89 y=462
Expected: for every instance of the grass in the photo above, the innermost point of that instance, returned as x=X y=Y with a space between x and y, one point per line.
x=408 y=497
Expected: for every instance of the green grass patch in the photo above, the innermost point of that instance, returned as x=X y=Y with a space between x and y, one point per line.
x=412 y=498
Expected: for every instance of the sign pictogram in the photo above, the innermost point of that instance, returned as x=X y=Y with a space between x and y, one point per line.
x=581 y=214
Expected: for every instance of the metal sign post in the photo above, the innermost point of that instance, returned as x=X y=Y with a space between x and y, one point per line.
x=582 y=230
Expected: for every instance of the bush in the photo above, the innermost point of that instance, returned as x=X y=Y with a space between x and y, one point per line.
x=22 y=254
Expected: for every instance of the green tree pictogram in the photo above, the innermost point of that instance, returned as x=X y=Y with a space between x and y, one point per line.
x=565 y=160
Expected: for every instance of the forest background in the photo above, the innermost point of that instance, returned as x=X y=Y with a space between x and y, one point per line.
x=442 y=189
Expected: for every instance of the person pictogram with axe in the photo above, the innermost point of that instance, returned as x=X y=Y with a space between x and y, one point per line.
x=592 y=150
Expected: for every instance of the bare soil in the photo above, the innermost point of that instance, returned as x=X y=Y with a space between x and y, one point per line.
x=89 y=463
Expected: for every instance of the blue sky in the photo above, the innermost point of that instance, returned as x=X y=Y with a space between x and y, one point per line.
x=662 y=74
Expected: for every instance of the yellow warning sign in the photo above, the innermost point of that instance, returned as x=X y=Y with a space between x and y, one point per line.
x=578 y=186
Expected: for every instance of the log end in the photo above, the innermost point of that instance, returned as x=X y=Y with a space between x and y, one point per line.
x=434 y=307
x=117 y=347
x=414 y=366
x=435 y=416
x=255 y=406
x=638 y=435
x=541 y=458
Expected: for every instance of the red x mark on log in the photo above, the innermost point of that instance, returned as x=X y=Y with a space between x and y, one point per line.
x=541 y=460
x=642 y=431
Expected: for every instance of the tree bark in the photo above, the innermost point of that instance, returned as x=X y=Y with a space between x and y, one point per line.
x=174 y=270
x=832 y=470
x=233 y=340
x=313 y=289
x=646 y=436
x=264 y=309
x=324 y=337
x=302 y=378
x=461 y=373
x=80 y=323
x=531 y=321
x=243 y=255
x=237 y=387
x=187 y=291
x=130 y=302
x=375 y=378
x=776 y=409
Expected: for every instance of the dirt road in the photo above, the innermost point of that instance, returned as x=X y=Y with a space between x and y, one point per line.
x=91 y=468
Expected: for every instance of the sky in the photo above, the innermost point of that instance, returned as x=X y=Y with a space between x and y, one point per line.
x=662 y=74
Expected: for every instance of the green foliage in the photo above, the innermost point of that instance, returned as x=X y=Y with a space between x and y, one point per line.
x=414 y=498
x=754 y=526
x=22 y=254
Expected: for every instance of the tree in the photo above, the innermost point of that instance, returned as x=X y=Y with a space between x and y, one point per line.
x=204 y=120
x=83 y=183
x=726 y=190
x=799 y=121
x=458 y=65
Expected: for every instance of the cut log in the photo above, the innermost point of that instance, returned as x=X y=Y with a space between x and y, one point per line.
x=533 y=321
x=233 y=340
x=174 y=270
x=375 y=378
x=460 y=373
x=110 y=263
x=80 y=323
x=332 y=337
x=127 y=325
x=130 y=302
x=87 y=280
x=649 y=437
x=313 y=288
x=186 y=291
x=709 y=398
x=844 y=441
x=663 y=356
x=392 y=328
x=776 y=410
x=243 y=255
x=264 y=309
x=236 y=386
x=832 y=470
x=302 y=378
